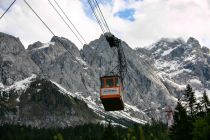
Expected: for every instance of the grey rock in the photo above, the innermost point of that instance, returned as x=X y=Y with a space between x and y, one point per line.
x=15 y=63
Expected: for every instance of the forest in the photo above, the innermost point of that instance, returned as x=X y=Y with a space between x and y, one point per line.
x=191 y=122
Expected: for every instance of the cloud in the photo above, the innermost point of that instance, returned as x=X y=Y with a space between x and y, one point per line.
x=154 y=19
x=22 y=22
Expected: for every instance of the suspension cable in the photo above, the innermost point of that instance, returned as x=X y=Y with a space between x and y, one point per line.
x=101 y=14
x=53 y=34
x=70 y=21
x=98 y=20
x=65 y=22
x=7 y=9
x=39 y=18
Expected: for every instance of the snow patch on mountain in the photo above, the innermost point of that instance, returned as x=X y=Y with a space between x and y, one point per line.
x=106 y=123
x=45 y=45
x=63 y=90
x=191 y=58
x=167 y=52
x=20 y=85
x=195 y=81
x=165 y=65
x=81 y=61
x=175 y=73
x=208 y=93
x=1 y=85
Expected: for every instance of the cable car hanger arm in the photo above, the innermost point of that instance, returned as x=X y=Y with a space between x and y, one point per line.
x=114 y=42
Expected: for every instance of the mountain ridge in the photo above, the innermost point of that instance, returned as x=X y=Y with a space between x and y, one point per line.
x=151 y=88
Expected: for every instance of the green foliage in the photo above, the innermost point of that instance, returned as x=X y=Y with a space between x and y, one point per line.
x=58 y=136
x=196 y=123
x=141 y=134
x=152 y=131
x=181 y=128
x=201 y=129
x=191 y=100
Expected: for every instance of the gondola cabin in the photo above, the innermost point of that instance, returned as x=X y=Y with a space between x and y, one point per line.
x=111 y=93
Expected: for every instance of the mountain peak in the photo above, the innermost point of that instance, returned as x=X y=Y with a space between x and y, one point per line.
x=193 y=42
x=34 y=45
x=64 y=42
x=10 y=44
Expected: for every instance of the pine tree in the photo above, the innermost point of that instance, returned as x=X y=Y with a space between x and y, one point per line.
x=189 y=98
x=181 y=127
x=205 y=102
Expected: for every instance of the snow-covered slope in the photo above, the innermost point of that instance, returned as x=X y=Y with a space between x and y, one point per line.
x=179 y=63
x=28 y=101
x=99 y=110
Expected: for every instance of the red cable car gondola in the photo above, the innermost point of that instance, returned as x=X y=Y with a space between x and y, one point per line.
x=111 y=93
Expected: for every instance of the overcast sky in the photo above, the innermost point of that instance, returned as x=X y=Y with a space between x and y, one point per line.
x=138 y=22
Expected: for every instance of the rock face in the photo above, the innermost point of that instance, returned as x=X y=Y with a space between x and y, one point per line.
x=180 y=63
x=66 y=90
x=60 y=61
x=144 y=89
x=15 y=62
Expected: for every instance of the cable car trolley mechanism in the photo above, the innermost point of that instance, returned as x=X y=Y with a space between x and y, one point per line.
x=111 y=91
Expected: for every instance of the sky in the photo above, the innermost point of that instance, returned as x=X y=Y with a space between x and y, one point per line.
x=138 y=22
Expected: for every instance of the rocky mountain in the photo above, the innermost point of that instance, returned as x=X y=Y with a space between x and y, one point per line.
x=56 y=85
x=15 y=62
x=40 y=103
x=179 y=63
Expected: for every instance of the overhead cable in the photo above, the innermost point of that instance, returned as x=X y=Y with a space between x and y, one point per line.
x=39 y=17
x=101 y=15
x=96 y=16
x=7 y=9
x=70 y=21
x=53 y=34
x=65 y=22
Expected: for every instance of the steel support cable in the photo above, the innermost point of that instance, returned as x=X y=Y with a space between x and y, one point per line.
x=96 y=16
x=101 y=15
x=53 y=34
x=7 y=9
x=99 y=22
x=39 y=18
x=65 y=22
x=70 y=21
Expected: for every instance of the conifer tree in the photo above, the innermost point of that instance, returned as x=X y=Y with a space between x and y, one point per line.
x=189 y=98
x=205 y=102
x=181 y=127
